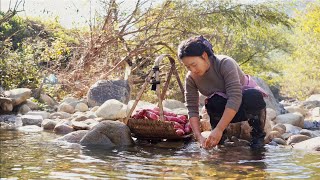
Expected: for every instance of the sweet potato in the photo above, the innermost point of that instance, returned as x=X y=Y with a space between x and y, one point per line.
x=139 y=114
x=182 y=118
x=174 y=119
x=180 y=132
x=187 y=128
x=178 y=126
x=152 y=116
x=153 y=111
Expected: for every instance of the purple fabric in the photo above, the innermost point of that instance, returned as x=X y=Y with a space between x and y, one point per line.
x=250 y=84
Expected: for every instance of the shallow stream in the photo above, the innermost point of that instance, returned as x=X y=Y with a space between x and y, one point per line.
x=34 y=155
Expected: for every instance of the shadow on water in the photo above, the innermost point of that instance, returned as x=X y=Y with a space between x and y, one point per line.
x=27 y=155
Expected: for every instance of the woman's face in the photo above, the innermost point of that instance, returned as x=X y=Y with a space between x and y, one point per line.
x=198 y=65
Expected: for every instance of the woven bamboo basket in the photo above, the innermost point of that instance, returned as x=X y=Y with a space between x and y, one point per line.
x=158 y=129
x=148 y=129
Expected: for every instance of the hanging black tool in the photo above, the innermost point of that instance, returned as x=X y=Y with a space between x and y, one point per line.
x=153 y=80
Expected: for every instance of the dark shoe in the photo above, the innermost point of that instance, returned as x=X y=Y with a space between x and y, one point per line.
x=257 y=123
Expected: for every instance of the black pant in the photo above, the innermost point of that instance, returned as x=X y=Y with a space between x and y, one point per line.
x=252 y=104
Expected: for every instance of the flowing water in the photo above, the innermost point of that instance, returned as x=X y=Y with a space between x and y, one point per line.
x=34 y=155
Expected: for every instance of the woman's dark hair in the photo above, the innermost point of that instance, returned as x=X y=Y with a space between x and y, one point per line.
x=194 y=46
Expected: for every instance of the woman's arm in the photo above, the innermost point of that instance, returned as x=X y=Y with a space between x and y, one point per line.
x=216 y=133
x=195 y=125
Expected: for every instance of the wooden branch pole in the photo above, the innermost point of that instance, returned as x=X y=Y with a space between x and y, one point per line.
x=139 y=96
x=156 y=66
x=166 y=85
x=155 y=73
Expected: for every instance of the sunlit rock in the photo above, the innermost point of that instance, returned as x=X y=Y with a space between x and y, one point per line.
x=60 y=115
x=292 y=129
x=310 y=144
x=297 y=138
x=295 y=119
x=310 y=133
x=272 y=135
x=74 y=137
x=108 y=133
x=280 y=128
x=32 y=105
x=6 y=104
x=44 y=114
x=82 y=107
x=279 y=141
x=79 y=125
x=10 y=122
x=32 y=120
x=30 y=128
x=62 y=128
x=293 y=109
x=112 y=109
x=44 y=98
x=64 y=107
x=48 y=124
x=19 y=95
x=23 y=109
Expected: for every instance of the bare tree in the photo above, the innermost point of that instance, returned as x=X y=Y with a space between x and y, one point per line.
x=12 y=11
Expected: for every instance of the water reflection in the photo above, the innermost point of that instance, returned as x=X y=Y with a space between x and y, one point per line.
x=27 y=155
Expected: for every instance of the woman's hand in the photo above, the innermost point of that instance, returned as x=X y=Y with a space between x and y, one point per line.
x=202 y=141
x=213 y=139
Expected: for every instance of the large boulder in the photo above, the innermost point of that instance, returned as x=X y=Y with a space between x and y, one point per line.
x=310 y=144
x=19 y=95
x=270 y=101
x=112 y=109
x=104 y=90
x=108 y=133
